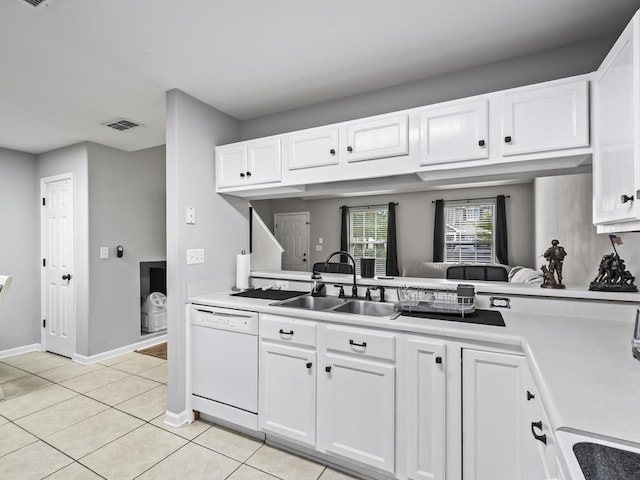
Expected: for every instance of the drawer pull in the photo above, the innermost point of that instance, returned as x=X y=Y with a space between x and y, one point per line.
x=481 y=143
x=541 y=437
x=363 y=344
x=327 y=369
x=439 y=360
x=282 y=332
x=507 y=139
x=309 y=364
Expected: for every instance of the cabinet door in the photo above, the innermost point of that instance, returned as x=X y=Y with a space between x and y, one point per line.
x=264 y=161
x=379 y=138
x=356 y=410
x=425 y=396
x=494 y=422
x=545 y=118
x=231 y=164
x=312 y=148
x=454 y=133
x=616 y=162
x=287 y=404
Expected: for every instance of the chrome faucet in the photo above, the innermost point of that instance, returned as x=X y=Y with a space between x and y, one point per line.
x=354 y=287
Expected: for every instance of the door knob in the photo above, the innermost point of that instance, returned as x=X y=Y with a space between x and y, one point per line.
x=66 y=277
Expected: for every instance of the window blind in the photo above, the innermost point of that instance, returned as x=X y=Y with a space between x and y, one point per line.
x=469 y=232
x=368 y=236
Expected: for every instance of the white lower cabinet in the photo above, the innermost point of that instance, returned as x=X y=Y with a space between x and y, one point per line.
x=423 y=394
x=288 y=392
x=287 y=398
x=496 y=422
x=356 y=396
x=357 y=410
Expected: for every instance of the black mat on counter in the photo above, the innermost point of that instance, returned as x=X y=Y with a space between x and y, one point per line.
x=481 y=317
x=269 y=294
x=600 y=462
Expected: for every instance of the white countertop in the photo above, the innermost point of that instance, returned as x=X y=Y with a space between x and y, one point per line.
x=580 y=358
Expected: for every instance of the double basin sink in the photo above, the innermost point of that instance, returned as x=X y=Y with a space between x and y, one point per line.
x=342 y=305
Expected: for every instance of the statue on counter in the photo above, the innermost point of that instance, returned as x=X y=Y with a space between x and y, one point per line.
x=553 y=272
x=612 y=273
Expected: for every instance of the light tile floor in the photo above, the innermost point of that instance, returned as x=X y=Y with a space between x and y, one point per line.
x=61 y=420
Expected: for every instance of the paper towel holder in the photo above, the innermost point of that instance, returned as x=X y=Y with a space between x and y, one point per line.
x=244 y=276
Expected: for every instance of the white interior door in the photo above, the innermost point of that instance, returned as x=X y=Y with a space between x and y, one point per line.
x=292 y=231
x=58 y=282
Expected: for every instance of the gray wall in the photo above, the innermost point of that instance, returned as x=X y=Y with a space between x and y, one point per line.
x=75 y=159
x=549 y=65
x=20 y=249
x=563 y=208
x=222 y=228
x=126 y=207
x=414 y=220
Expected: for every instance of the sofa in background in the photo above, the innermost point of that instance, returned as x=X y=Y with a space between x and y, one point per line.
x=472 y=271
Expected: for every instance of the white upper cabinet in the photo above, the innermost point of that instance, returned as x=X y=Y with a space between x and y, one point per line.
x=312 y=148
x=249 y=163
x=616 y=124
x=543 y=118
x=454 y=132
x=377 y=138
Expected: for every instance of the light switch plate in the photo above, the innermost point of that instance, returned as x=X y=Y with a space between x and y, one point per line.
x=318 y=248
x=195 y=255
x=191 y=215
x=104 y=253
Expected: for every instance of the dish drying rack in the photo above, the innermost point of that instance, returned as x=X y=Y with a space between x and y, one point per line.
x=460 y=301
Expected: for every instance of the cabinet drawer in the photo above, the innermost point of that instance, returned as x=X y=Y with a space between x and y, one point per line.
x=361 y=342
x=288 y=330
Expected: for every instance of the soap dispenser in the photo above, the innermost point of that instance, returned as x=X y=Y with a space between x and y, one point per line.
x=318 y=288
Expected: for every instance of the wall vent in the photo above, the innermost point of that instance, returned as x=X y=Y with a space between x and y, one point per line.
x=122 y=125
x=35 y=3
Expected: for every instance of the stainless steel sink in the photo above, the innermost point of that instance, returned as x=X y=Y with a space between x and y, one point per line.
x=342 y=305
x=312 y=303
x=364 y=307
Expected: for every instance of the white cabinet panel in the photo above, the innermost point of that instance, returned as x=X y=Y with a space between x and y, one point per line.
x=453 y=133
x=231 y=161
x=616 y=120
x=379 y=138
x=288 y=392
x=426 y=412
x=540 y=118
x=494 y=421
x=264 y=163
x=312 y=148
x=356 y=410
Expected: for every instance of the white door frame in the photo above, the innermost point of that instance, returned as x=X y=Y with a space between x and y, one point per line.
x=43 y=248
x=308 y=223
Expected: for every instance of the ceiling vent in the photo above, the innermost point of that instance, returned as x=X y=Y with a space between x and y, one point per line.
x=35 y=3
x=122 y=125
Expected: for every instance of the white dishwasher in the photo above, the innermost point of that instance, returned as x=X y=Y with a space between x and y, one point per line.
x=224 y=364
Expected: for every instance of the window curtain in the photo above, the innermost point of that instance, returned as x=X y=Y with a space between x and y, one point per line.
x=502 y=249
x=438 y=232
x=344 y=234
x=392 y=243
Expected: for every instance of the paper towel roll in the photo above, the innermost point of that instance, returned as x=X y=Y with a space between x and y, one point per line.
x=242 y=270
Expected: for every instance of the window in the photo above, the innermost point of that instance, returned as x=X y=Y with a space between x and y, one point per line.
x=368 y=235
x=468 y=232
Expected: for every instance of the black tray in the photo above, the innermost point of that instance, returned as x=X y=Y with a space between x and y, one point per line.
x=269 y=294
x=480 y=317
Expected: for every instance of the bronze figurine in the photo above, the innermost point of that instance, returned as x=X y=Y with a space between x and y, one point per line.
x=553 y=271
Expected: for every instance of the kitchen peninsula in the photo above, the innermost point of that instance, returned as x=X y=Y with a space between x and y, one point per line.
x=571 y=351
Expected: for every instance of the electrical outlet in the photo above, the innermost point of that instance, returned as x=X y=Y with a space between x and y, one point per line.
x=280 y=285
x=104 y=253
x=195 y=255
x=191 y=215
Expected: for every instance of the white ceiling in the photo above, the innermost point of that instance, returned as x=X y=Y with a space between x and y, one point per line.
x=68 y=66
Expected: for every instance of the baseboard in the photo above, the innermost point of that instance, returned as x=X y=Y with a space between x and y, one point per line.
x=177 y=420
x=35 y=347
x=89 y=359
